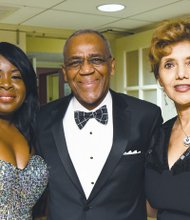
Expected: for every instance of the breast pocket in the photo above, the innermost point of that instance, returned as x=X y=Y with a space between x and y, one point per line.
x=133 y=157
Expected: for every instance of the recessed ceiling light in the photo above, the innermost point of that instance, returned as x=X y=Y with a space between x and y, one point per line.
x=111 y=7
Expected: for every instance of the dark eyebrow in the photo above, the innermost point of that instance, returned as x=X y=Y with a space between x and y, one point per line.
x=15 y=70
x=168 y=59
x=73 y=58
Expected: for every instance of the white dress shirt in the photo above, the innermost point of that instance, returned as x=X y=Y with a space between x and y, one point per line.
x=88 y=147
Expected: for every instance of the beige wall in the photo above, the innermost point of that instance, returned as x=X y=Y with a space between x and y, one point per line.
x=46 y=45
x=17 y=38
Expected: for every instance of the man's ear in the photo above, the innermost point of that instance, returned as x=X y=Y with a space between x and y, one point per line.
x=112 y=66
x=64 y=73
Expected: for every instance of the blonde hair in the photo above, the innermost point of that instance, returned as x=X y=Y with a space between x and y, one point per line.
x=166 y=35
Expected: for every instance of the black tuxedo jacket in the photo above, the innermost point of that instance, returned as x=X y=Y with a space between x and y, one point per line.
x=119 y=191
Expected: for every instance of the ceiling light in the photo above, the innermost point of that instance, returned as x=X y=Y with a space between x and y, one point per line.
x=111 y=7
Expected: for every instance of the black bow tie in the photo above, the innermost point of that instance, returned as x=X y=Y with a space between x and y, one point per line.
x=100 y=115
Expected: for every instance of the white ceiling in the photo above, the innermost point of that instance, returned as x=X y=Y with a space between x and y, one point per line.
x=77 y=14
x=68 y=15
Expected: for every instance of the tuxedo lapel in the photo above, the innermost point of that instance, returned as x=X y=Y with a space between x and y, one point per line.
x=60 y=142
x=121 y=130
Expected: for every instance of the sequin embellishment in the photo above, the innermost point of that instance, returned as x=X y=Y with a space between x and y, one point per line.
x=21 y=188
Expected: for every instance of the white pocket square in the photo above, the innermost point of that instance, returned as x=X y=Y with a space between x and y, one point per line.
x=132 y=152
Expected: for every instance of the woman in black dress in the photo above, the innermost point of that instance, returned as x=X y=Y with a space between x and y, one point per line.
x=168 y=163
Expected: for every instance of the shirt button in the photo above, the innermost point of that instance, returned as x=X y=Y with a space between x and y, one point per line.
x=90 y=132
x=91 y=158
x=92 y=183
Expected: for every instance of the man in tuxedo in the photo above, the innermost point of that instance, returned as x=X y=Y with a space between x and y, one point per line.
x=94 y=140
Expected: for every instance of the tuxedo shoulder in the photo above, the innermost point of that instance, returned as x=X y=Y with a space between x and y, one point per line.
x=141 y=102
x=56 y=106
x=169 y=123
x=136 y=102
x=51 y=105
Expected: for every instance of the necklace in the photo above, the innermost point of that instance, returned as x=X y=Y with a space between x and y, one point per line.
x=186 y=140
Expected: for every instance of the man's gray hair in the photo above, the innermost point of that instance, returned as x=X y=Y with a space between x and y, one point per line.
x=86 y=31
